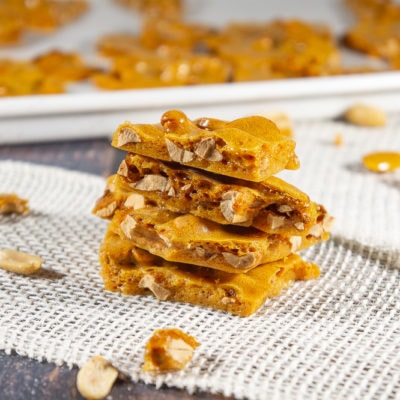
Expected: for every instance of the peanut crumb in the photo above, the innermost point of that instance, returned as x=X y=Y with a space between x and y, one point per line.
x=338 y=139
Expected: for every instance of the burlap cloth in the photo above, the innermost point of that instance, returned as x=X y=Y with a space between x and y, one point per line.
x=336 y=337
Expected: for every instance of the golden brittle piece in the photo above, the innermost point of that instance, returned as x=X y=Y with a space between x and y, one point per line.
x=249 y=148
x=276 y=49
x=272 y=206
x=63 y=66
x=377 y=31
x=168 y=349
x=20 y=16
x=19 y=78
x=47 y=73
x=193 y=240
x=147 y=69
x=11 y=203
x=133 y=271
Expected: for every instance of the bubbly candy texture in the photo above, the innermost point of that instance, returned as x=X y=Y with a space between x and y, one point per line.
x=132 y=271
x=193 y=240
x=250 y=148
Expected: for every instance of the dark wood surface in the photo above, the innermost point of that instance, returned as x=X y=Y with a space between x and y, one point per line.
x=24 y=379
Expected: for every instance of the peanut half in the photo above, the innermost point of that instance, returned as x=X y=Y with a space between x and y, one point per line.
x=96 y=378
x=19 y=262
x=363 y=115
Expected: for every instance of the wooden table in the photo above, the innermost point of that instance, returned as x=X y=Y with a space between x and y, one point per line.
x=25 y=379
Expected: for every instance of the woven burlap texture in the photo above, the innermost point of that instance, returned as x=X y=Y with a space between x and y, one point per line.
x=336 y=337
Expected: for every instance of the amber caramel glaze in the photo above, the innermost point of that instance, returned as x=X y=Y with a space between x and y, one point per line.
x=239 y=294
x=382 y=161
x=249 y=148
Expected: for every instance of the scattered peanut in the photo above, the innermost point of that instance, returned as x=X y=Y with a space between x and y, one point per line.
x=96 y=378
x=363 y=115
x=19 y=262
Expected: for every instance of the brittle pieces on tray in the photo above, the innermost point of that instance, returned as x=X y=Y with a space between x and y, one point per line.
x=19 y=16
x=147 y=69
x=276 y=49
x=47 y=73
x=249 y=148
x=377 y=30
x=133 y=271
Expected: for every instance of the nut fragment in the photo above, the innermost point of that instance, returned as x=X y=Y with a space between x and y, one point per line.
x=227 y=208
x=206 y=150
x=19 y=262
x=128 y=135
x=240 y=262
x=96 y=378
x=11 y=203
x=275 y=221
x=106 y=211
x=338 y=139
x=363 y=115
x=285 y=208
x=177 y=153
x=168 y=349
x=295 y=241
x=123 y=169
x=316 y=230
x=135 y=201
x=148 y=282
x=127 y=225
x=299 y=226
x=152 y=182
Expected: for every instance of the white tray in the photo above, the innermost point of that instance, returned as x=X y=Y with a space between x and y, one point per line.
x=88 y=112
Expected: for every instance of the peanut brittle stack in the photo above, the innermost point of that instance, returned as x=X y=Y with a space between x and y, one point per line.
x=197 y=215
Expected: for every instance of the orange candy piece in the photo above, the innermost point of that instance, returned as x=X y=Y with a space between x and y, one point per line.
x=382 y=161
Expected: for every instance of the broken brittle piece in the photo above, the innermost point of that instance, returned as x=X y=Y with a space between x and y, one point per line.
x=248 y=148
x=272 y=206
x=20 y=16
x=168 y=349
x=193 y=240
x=11 y=203
x=47 y=73
x=376 y=32
x=133 y=271
x=277 y=49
